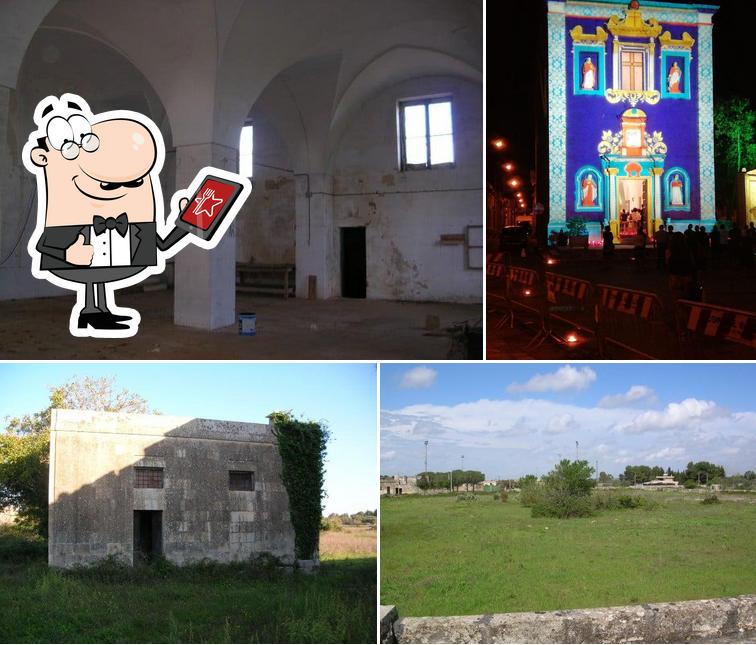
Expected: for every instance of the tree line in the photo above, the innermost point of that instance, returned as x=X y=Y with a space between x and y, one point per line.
x=449 y=479
x=698 y=472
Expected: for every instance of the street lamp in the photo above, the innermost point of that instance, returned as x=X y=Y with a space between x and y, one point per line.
x=499 y=143
x=514 y=182
x=509 y=166
x=427 y=479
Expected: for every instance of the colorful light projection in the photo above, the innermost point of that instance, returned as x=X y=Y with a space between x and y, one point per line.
x=651 y=161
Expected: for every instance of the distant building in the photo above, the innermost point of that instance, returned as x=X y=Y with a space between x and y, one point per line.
x=662 y=481
x=746 y=197
x=398 y=485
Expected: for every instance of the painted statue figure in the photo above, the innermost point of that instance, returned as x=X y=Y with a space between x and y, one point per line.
x=676 y=191
x=673 y=79
x=588 y=191
x=589 y=75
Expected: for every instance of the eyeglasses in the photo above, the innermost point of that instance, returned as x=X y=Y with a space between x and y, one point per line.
x=89 y=142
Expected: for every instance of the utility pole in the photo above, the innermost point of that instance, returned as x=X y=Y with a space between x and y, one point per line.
x=427 y=479
x=577 y=454
x=597 y=477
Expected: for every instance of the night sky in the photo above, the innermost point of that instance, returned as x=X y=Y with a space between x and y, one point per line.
x=516 y=56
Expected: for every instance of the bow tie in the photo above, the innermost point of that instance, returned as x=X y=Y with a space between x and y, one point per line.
x=120 y=223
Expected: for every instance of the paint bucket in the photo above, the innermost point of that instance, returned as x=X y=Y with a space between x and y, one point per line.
x=248 y=324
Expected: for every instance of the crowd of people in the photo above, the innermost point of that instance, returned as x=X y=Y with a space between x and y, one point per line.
x=685 y=254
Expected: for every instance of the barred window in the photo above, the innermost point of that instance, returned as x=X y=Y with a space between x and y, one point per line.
x=241 y=480
x=148 y=477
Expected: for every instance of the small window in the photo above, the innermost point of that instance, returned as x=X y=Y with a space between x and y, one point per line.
x=148 y=477
x=241 y=480
x=426 y=133
x=245 y=151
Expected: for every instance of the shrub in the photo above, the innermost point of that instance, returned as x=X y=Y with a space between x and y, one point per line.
x=562 y=504
x=330 y=524
x=18 y=544
x=466 y=497
x=504 y=495
x=496 y=497
x=605 y=500
x=710 y=499
x=689 y=483
x=610 y=501
x=530 y=494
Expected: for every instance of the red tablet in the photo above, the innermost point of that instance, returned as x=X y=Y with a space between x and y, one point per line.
x=208 y=207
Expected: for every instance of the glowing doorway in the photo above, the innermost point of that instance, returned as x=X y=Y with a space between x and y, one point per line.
x=632 y=205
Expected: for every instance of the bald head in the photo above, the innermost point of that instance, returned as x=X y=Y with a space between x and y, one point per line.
x=126 y=152
x=107 y=181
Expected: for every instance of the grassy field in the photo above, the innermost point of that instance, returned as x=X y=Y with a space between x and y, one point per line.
x=444 y=557
x=349 y=542
x=161 y=603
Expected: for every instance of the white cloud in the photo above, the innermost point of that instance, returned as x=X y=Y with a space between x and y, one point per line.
x=513 y=437
x=666 y=454
x=675 y=416
x=419 y=377
x=636 y=394
x=560 y=423
x=565 y=378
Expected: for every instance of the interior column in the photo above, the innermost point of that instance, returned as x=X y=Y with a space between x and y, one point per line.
x=205 y=281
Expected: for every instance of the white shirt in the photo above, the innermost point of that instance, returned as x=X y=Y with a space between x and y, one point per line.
x=111 y=249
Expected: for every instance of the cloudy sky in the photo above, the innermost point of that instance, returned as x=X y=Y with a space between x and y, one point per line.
x=510 y=420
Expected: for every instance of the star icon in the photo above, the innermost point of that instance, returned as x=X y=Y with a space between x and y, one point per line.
x=207 y=202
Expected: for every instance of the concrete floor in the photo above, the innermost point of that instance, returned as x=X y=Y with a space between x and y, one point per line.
x=286 y=329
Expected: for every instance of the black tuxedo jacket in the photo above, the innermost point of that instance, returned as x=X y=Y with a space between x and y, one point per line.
x=56 y=239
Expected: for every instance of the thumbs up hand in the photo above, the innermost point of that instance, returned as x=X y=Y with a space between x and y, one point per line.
x=79 y=252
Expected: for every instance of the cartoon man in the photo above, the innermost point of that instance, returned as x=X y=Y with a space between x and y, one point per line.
x=100 y=224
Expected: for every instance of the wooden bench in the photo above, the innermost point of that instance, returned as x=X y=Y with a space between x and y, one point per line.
x=277 y=279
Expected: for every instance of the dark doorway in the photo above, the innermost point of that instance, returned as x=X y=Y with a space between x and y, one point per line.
x=353 y=262
x=148 y=534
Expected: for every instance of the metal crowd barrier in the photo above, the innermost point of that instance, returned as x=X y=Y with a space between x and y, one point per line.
x=623 y=321
x=702 y=328
x=627 y=319
x=570 y=303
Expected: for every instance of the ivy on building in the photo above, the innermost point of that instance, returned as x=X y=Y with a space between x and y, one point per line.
x=302 y=446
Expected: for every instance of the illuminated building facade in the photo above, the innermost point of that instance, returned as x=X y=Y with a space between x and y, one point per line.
x=630 y=115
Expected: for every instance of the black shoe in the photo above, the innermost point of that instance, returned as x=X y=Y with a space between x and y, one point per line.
x=100 y=320
x=116 y=317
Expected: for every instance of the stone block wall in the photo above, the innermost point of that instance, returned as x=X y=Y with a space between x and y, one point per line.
x=702 y=621
x=92 y=495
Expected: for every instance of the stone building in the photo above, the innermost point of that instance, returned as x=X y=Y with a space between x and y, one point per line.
x=630 y=115
x=132 y=485
x=398 y=485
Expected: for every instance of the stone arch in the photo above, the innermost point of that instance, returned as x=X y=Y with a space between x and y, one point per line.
x=58 y=60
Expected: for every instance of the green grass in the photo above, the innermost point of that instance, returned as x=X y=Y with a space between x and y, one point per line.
x=166 y=604
x=444 y=557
